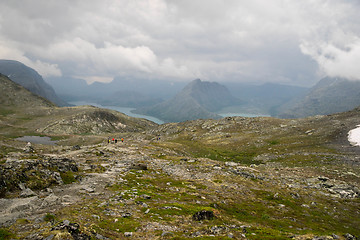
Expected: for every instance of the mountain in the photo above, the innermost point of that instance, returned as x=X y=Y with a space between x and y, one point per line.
x=14 y=96
x=265 y=98
x=229 y=178
x=23 y=112
x=134 y=92
x=197 y=100
x=329 y=95
x=30 y=79
x=129 y=99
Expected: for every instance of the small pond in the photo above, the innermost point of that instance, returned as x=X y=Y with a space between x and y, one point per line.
x=37 y=140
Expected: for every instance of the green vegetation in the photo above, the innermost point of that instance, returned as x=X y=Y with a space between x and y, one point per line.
x=6 y=234
x=67 y=177
x=49 y=218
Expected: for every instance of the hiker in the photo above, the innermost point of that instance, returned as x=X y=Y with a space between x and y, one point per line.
x=122 y=139
x=115 y=140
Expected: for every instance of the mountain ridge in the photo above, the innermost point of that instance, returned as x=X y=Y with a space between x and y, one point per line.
x=328 y=96
x=30 y=79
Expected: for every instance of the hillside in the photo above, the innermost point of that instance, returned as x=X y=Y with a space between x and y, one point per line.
x=197 y=100
x=266 y=98
x=29 y=79
x=329 y=95
x=14 y=95
x=26 y=113
x=229 y=178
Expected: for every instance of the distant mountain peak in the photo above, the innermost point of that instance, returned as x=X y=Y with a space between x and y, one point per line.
x=198 y=99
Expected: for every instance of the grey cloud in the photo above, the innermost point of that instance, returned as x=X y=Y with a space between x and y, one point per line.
x=283 y=41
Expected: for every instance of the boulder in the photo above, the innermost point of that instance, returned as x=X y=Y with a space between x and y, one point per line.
x=203 y=215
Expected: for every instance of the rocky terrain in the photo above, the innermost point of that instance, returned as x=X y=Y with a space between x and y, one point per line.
x=232 y=178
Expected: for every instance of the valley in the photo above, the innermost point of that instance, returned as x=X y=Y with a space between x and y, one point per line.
x=260 y=178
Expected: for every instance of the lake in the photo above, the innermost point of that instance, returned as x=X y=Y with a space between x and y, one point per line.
x=128 y=112
x=37 y=140
x=125 y=110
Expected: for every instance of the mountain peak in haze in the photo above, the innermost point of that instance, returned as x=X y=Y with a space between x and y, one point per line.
x=29 y=79
x=198 y=99
x=329 y=95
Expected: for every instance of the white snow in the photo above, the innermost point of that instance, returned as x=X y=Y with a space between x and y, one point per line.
x=354 y=136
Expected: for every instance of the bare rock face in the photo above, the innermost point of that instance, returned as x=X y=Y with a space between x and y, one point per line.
x=35 y=174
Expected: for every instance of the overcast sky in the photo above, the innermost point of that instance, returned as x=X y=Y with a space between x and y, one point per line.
x=286 y=41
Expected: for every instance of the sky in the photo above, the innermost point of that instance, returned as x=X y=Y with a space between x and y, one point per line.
x=283 y=41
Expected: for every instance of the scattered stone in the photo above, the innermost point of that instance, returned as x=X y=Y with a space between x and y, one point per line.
x=334 y=236
x=50 y=237
x=167 y=234
x=27 y=193
x=100 y=237
x=203 y=215
x=29 y=148
x=50 y=200
x=126 y=215
x=138 y=166
x=88 y=189
x=76 y=147
x=324 y=179
x=73 y=229
x=128 y=234
x=34 y=236
x=144 y=196
x=231 y=164
x=295 y=195
x=218 y=229
x=216 y=167
x=348 y=236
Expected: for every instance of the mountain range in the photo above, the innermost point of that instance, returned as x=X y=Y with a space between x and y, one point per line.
x=329 y=95
x=30 y=79
x=180 y=101
x=228 y=178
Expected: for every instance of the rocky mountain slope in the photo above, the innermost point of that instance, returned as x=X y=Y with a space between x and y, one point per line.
x=230 y=178
x=329 y=95
x=30 y=79
x=14 y=96
x=24 y=112
x=198 y=99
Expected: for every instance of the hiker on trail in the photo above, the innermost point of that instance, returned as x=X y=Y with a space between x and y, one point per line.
x=108 y=140
x=122 y=139
x=115 y=140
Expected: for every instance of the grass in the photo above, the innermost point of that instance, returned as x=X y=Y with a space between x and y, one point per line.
x=67 y=177
x=6 y=234
x=49 y=218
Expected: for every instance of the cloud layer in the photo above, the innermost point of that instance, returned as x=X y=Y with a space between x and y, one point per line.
x=294 y=42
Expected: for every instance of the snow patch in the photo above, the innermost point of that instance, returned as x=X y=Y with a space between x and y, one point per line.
x=354 y=136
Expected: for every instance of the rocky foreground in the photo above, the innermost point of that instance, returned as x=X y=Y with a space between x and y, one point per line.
x=234 y=178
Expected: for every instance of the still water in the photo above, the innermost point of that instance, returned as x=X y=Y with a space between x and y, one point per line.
x=125 y=110
x=128 y=112
x=37 y=140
